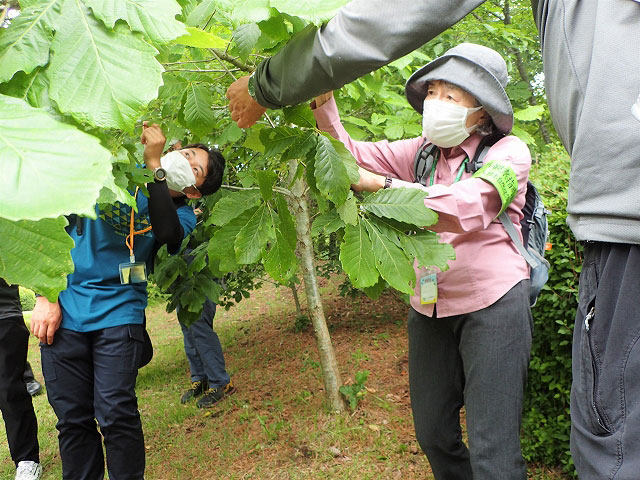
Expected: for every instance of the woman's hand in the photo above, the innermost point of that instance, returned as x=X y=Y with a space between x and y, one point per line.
x=369 y=181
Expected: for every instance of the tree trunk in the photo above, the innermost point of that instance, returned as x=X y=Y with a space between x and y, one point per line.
x=330 y=372
x=294 y=291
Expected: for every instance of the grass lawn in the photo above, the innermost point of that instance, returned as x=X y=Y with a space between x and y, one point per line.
x=275 y=426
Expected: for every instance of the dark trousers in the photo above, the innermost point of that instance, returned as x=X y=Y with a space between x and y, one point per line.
x=605 y=393
x=15 y=403
x=479 y=360
x=91 y=376
x=28 y=374
x=203 y=349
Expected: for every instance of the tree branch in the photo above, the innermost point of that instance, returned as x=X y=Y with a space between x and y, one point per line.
x=281 y=190
x=222 y=55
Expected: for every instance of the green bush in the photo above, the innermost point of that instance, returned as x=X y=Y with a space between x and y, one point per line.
x=27 y=299
x=546 y=421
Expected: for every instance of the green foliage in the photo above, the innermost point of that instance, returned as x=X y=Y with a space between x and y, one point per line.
x=38 y=153
x=301 y=323
x=27 y=299
x=25 y=263
x=354 y=393
x=546 y=422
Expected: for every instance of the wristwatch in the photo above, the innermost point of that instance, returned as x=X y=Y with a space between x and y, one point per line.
x=251 y=86
x=160 y=174
x=387 y=182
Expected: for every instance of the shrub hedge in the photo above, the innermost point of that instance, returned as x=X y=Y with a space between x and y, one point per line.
x=546 y=421
x=27 y=299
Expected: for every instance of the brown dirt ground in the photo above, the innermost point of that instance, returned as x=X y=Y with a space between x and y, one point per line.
x=276 y=425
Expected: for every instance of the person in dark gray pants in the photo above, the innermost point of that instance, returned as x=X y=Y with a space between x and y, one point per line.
x=469 y=325
x=454 y=361
x=209 y=377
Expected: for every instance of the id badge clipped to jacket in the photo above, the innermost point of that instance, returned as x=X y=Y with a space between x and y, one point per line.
x=428 y=289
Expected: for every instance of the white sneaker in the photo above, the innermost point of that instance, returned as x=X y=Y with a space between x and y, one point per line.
x=28 y=471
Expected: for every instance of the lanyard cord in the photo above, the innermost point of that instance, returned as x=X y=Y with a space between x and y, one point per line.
x=132 y=233
x=435 y=163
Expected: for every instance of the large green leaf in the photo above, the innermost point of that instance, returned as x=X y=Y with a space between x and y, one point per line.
x=287 y=224
x=392 y=263
x=36 y=254
x=403 y=204
x=300 y=115
x=48 y=168
x=221 y=246
x=426 y=247
x=245 y=37
x=276 y=140
x=330 y=172
x=357 y=257
x=232 y=206
x=154 y=18
x=250 y=10
x=315 y=11
x=266 y=180
x=253 y=237
x=301 y=146
x=348 y=211
x=529 y=114
x=197 y=109
x=201 y=39
x=327 y=223
x=100 y=76
x=280 y=261
x=25 y=44
x=347 y=158
x=202 y=13
x=32 y=88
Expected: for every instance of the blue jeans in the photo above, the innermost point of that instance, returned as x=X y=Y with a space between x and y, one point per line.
x=203 y=349
x=479 y=360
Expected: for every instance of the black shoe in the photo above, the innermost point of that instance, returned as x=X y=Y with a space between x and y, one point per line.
x=33 y=387
x=214 y=395
x=197 y=389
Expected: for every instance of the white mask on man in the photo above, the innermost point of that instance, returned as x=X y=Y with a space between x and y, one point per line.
x=445 y=124
x=179 y=172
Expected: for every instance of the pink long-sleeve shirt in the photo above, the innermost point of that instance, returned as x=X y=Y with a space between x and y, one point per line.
x=487 y=263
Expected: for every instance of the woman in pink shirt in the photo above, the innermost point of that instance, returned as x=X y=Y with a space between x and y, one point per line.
x=470 y=326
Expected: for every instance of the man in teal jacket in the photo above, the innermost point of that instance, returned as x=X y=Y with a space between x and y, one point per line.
x=592 y=77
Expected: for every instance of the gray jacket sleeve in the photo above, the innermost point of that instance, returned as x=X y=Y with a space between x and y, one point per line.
x=363 y=36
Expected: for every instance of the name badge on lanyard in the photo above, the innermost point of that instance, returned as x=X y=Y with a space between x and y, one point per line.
x=429 y=289
x=133 y=272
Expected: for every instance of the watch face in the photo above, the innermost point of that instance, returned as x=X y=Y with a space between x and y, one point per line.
x=160 y=174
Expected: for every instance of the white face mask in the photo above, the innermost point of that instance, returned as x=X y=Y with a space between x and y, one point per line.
x=179 y=172
x=445 y=124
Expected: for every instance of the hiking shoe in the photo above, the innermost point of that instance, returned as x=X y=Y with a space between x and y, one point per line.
x=214 y=395
x=33 y=387
x=28 y=470
x=197 y=389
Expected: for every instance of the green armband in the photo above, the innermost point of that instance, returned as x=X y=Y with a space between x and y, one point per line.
x=503 y=178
